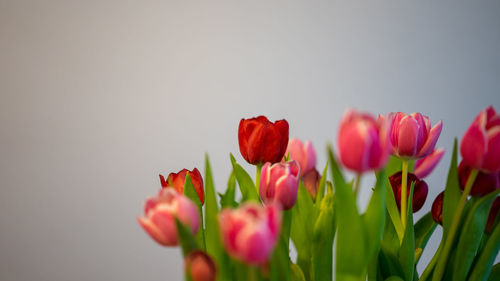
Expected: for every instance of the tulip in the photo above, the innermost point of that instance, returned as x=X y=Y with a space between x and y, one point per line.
x=492 y=216
x=412 y=136
x=279 y=183
x=303 y=153
x=176 y=180
x=311 y=181
x=437 y=209
x=480 y=146
x=484 y=183
x=262 y=141
x=424 y=166
x=200 y=266
x=420 y=189
x=363 y=141
x=250 y=232
x=160 y=213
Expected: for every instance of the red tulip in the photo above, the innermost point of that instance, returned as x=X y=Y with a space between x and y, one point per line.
x=303 y=153
x=200 y=266
x=363 y=141
x=176 y=180
x=424 y=166
x=480 y=146
x=484 y=183
x=412 y=136
x=261 y=141
x=437 y=209
x=250 y=232
x=492 y=216
x=420 y=189
x=160 y=213
x=279 y=183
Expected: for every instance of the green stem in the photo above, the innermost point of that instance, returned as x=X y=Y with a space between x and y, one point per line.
x=257 y=177
x=357 y=182
x=404 y=192
x=441 y=265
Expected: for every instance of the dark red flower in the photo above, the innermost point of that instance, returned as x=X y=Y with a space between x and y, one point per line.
x=492 y=216
x=437 y=208
x=419 y=192
x=176 y=181
x=483 y=184
x=262 y=141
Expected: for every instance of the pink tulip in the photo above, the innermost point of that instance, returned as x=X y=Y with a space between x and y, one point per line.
x=200 y=266
x=250 y=232
x=363 y=141
x=303 y=153
x=412 y=136
x=480 y=146
x=160 y=213
x=424 y=166
x=279 y=183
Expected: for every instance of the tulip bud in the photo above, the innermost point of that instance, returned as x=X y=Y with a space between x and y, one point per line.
x=250 y=232
x=200 y=266
x=261 y=141
x=311 y=181
x=437 y=208
x=484 y=183
x=492 y=216
x=303 y=153
x=420 y=189
x=160 y=213
x=480 y=146
x=363 y=141
x=412 y=136
x=279 y=183
x=424 y=166
x=176 y=180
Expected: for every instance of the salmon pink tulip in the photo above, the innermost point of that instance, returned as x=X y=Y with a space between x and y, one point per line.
x=303 y=153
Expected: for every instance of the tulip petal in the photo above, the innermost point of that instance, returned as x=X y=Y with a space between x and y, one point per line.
x=424 y=166
x=165 y=223
x=286 y=191
x=492 y=159
x=473 y=146
x=310 y=158
x=432 y=139
x=407 y=137
x=255 y=245
x=153 y=231
x=352 y=147
x=282 y=127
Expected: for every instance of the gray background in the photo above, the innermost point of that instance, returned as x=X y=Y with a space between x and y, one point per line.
x=98 y=97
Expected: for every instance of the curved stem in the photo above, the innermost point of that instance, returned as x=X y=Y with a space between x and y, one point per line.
x=441 y=265
x=404 y=192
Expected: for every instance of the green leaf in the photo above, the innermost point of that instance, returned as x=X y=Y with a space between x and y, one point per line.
x=296 y=273
x=407 y=250
x=190 y=192
x=495 y=273
x=452 y=193
x=227 y=200
x=324 y=232
x=394 y=278
x=393 y=165
x=485 y=261
x=423 y=231
x=374 y=217
x=247 y=186
x=469 y=240
x=186 y=238
x=280 y=260
x=321 y=187
x=351 y=258
x=389 y=263
x=392 y=209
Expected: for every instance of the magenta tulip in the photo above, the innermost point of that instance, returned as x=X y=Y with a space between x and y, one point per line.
x=250 y=232
x=480 y=146
x=279 y=183
x=412 y=136
x=303 y=153
x=424 y=166
x=363 y=141
x=160 y=213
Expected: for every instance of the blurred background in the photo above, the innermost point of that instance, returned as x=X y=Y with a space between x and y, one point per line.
x=99 y=97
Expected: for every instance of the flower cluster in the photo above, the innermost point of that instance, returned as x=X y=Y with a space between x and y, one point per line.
x=247 y=234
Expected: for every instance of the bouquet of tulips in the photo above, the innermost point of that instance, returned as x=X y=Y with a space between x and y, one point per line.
x=246 y=232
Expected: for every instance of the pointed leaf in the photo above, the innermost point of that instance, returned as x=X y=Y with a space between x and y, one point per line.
x=227 y=200
x=407 y=251
x=485 y=261
x=322 y=184
x=452 y=193
x=423 y=231
x=190 y=192
x=324 y=232
x=374 y=217
x=247 y=186
x=186 y=238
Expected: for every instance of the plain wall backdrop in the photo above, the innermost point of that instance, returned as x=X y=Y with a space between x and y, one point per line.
x=98 y=97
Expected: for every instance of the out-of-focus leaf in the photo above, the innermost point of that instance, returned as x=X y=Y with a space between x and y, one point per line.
x=351 y=258
x=296 y=273
x=227 y=200
x=190 y=192
x=407 y=250
x=495 y=273
x=374 y=217
x=452 y=193
x=394 y=278
x=280 y=260
x=423 y=231
x=321 y=187
x=469 y=239
x=389 y=263
x=324 y=232
x=393 y=165
x=186 y=238
x=245 y=182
